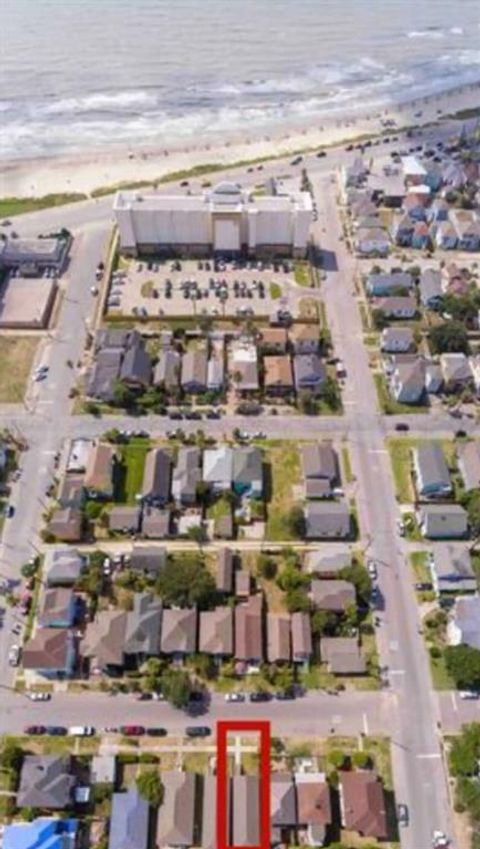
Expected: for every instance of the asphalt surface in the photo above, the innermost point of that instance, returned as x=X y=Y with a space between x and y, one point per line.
x=408 y=710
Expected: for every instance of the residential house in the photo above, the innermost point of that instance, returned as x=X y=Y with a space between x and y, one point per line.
x=433 y=377
x=244 y=366
x=148 y=560
x=46 y=782
x=421 y=236
x=186 y=476
x=143 y=626
x=124 y=519
x=474 y=363
x=402 y=230
x=224 y=573
x=218 y=468
x=397 y=340
x=314 y=806
x=438 y=210
x=335 y=595
x=176 y=815
x=320 y=462
x=278 y=378
x=245 y=810
x=456 y=372
x=273 y=340
x=469 y=464
x=443 y=521
x=362 y=803
x=129 y=820
x=41 y=833
x=194 y=372
x=78 y=455
x=103 y=375
x=283 y=808
x=216 y=632
x=167 y=371
x=310 y=373
x=247 y=471
x=156 y=522
x=243 y=581
x=279 y=648
x=327 y=520
x=430 y=287
x=327 y=562
x=136 y=368
x=354 y=174
x=397 y=306
x=414 y=172
x=58 y=608
x=71 y=492
x=66 y=524
x=342 y=655
x=383 y=283
x=372 y=241
x=179 y=632
x=104 y=640
x=249 y=633
x=100 y=469
x=452 y=570
x=464 y=622
x=304 y=338
x=301 y=638
x=51 y=652
x=215 y=373
x=432 y=477
x=62 y=566
x=467 y=226
x=157 y=477
x=209 y=839
x=445 y=236
x=407 y=380
x=414 y=207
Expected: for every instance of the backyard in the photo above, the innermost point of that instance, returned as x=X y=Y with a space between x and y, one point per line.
x=130 y=478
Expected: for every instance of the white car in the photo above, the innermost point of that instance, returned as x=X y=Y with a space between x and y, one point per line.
x=440 y=840
x=94 y=290
x=372 y=568
x=469 y=694
x=157 y=696
x=235 y=697
x=14 y=655
x=39 y=697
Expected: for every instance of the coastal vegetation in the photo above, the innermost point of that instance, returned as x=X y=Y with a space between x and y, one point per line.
x=12 y=206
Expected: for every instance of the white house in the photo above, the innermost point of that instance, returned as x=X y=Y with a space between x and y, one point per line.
x=227 y=219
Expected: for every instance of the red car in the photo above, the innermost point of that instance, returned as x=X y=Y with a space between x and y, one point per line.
x=132 y=730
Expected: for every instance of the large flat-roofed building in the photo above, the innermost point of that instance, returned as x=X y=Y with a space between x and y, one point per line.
x=26 y=302
x=226 y=220
x=37 y=253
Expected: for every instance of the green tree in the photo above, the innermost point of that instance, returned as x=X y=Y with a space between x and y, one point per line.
x=463 y=664
x=185 y=581
x=266 y=567
x=296 y=600
x=471 y=502
x=11 y=755
x=359 y=577
x=379 y=319
x=450 y=337
x=337 y=758
x=361 y=760
x=92 y=510
x=295 y=522
x=122 y=395
x=28 y=570
x=465 y=751
x=204 y=666
x=324 y=622
x=150 y=787
x=330 y=394
x=176 y=687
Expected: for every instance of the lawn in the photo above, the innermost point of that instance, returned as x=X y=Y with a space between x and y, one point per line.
x=221 y=507
x=284 y=473
x=308 y=309
x=18 y=206
x=302 y=273
x=419 y=561
x=401 y=459
x=275 y=291
x=387 y=403
x=16 y=356
x=347 y=466
x=130 y=479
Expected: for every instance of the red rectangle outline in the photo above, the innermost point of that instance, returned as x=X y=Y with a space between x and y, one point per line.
x=263 y=729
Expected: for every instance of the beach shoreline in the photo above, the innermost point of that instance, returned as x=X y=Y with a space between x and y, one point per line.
x=85 y=173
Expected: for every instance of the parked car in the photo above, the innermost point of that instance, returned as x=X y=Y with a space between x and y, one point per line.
x=144 y=697
x=372 y=568
x=156 y=732
x=403 y=817
x=132 y=730
x=285 y=695
x=469 y=694
x=197 y=731
x=402 y=426
x=424 y=586
x=35 y=696
x=56 y=730
x=34 y=730
x=260 y=697
x=14 y=655
x=235 y=697
x=81 y=731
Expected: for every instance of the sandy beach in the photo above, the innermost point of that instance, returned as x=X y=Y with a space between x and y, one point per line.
x=84 y=173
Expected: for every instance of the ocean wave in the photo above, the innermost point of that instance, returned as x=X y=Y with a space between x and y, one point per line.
x=426 y=33
x=101 y=102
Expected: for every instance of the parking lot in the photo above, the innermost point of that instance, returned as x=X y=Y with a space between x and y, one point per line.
x=203 y=287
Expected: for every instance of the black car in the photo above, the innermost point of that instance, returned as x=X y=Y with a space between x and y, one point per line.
x=285 y=695
x=175 y=416
x=321 y=153
x=260 y=697
x=156 y=732
x=402 y=426
x=144 y=697
x=198 y=731
x=213 y=414
x=460 y=434
x=424 y=586
x=34 y=730
x=56 y=730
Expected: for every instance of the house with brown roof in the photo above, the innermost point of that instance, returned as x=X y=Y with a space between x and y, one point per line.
x=98 y=479
x=216 y=632
x=283 y=808
x=249 y=632
x=245 y=808
x=58 y=608
x=66 y=524
x=179 y=632
x=362 y=803
x=51 y=652
x=334 y=595
x=301 y=637
x=157 y=477
x=124 y=519
x=304 y=338
x=273 y=340
x=224 y=573
x=104 y=640
x=278 y=376
x=314 y=806
x=279 y=648
x=176 y=815
x=156 y=522
x=342 y=655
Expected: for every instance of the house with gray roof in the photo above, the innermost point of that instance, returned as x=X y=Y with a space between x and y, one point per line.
x=209 y=813
x=148 y=560
x=342 y=655
x=58 y=608
x=136 y=368
x=215 y=373
x=71 y=492
x=143 y=626
x=156 y=522
x=129 y=820
x=247 y=471
x=327 y=563
x=464 y=622
x=176 y=815
x=456 y=372
x=407 y=380
x=320 y=463
x=432 y=477
x=194 y=372
x=452 y=570
x=327 y=520
x=397 y=306
x=469 y=464
x=283 y=808
x=104 y=640
x=430 y=287
x=301 y=637
x=218 y=468
x=245 y=794
x=186 y=476
x=45 y=782
x=443 y=521
x=179 y=632
x=225 y=568
x=63 y=565
x=103 y=374
x=389 y=283
x=167 y=370
x=310 y=373
x=397 y=340
x=157 y=477
x=216 y=632
x=335 y=595
x=279 y=644
x=124 y=518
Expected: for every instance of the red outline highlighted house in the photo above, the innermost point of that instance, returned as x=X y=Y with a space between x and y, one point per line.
x=223 y=730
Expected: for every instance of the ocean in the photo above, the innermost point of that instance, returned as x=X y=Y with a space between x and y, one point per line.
x=81 y=74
